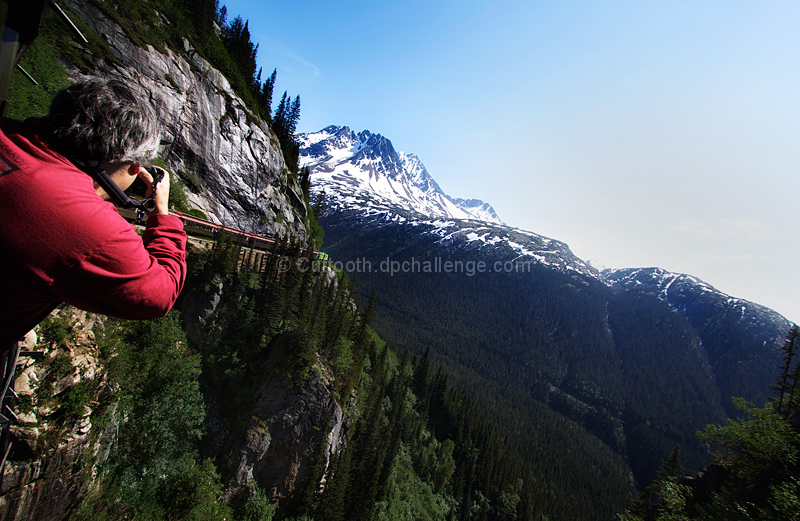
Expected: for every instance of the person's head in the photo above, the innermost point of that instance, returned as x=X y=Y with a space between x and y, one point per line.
x=103 y=120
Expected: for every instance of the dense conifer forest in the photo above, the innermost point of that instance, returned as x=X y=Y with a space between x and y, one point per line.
x=756 y=470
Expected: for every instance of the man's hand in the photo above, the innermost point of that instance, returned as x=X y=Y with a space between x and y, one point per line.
x=162 y=190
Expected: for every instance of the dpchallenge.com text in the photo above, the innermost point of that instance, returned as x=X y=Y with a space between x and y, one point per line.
x=394 y=267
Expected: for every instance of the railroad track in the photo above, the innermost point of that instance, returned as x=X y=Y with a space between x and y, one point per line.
x=205 y=229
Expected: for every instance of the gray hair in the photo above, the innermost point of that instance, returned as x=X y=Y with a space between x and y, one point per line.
x=103 y=120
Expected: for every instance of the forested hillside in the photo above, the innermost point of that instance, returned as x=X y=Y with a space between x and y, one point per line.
x=591 y=382
x=756 y=471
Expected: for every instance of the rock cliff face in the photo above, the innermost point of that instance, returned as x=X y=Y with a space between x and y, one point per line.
x=235 y=170
x=231 y=161
x=295 y=426
x=288 y=434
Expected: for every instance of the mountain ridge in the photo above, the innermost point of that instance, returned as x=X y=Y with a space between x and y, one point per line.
x=341 y=160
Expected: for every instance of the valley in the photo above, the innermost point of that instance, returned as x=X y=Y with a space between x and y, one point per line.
x=627 y=363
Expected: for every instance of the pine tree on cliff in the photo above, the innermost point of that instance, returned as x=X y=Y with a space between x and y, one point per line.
x=294 y=117
x=319 y=313
x=236 y=38
x=437 y=398
x=222 y=15
x=202 y=14
x=648 y=504
x=279 y=118
x=420 y=383
x=338 y=314
x=370 y=450
x=265 y=97
x=284 y=124
x=786 y=384
x=287 y=114
x=273 y=293
x=398 y=420
x=305 y=181
x=334 y=500
x=361 y=332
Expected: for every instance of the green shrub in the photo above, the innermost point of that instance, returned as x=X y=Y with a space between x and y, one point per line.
x=198 y=213
x=55 y=329
x=153 y=471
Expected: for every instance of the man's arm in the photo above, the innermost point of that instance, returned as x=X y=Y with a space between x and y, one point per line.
x=128 y=276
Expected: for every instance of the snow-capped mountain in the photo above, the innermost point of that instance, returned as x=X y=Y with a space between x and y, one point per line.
x=365 y=178
x=365 y=171
x=368 y=184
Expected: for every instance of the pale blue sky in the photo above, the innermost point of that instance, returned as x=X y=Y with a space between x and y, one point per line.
x=641 y=133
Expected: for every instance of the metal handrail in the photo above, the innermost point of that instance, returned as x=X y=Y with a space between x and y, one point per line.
x=8 y=364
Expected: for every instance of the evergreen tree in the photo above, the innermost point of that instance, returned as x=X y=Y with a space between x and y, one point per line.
x=319 y=204
x=280 y=116
x=755 y=476
x=294 y=117
x=650 y=501
x=334 y=501
x=222 y=15
x=671 y=469
x=786 y=383
x=284 y=124
x=438 y=404
x=265 y=97
x=202 y=14
x=236 y=38
x=305 y=181
x=421 y=382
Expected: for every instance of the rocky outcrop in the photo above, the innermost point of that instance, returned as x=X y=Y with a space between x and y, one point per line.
x=197 y=308
x=230 y=161
x=294 y=430
x=53 y=448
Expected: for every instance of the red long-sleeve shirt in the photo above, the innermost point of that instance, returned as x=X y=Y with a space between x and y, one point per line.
x=60 y=242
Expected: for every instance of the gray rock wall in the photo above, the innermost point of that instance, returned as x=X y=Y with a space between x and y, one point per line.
x=292 y=421
x=209 y=137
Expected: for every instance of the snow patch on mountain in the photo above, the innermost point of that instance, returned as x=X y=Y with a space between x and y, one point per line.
x=504 y=248
x=687 y=294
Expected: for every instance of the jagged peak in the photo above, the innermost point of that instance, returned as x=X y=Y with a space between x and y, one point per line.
x=476 y=205
x=334 y=129
x=394 y=178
